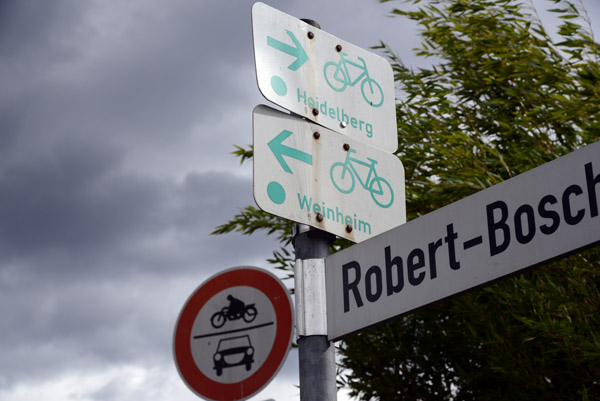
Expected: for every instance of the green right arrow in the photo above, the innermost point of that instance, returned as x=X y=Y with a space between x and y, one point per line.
x=298 y=51
x=280 y=150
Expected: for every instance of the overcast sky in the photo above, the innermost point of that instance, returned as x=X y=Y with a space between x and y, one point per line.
x=117 y=123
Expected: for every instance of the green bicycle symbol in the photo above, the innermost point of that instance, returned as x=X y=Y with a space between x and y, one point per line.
x=338 y=78
x=343 y=177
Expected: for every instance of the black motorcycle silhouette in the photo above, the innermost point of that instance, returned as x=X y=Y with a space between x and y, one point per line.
x=236 y=310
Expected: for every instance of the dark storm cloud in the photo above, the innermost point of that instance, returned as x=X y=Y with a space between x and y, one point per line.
x=73 y=199
x=85 y=93
x=30 y=28
x=114 y=303
x=149 y=75
x=65 y=195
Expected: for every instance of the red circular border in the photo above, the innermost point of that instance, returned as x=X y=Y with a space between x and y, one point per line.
x=242 y=276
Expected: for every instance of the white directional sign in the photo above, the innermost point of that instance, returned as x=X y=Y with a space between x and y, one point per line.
x=543 y=214
x=315 y=176
x=323 y=78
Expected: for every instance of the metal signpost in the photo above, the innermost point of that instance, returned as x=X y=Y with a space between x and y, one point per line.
x=233 y=334
x=349 y=184
x=312 y=175
x=538 y=216
x=323 y=78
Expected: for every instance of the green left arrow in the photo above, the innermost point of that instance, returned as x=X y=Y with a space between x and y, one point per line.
x=297 y=51
x=279 y=150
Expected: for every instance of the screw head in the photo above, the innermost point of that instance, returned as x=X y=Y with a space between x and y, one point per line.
x=338 y=48
x=319 y=217
x=315 y=112
x=346 y=147
x=310 y=35
x=343 y=124
x=348 y=229
x=316 y=135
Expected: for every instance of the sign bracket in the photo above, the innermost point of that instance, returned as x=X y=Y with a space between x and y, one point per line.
x=311 y=319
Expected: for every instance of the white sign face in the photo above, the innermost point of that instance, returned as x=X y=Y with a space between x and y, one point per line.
x=323 y=78
x=538 y=216
x=325 y=180
x=233 y=334
x=229 y=329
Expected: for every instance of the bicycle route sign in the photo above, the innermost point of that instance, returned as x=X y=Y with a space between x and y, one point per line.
x=536 y=217
x=323 y=78
x=233 y=334
x=315 y=176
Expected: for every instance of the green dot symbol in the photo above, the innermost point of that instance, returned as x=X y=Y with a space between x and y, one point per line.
x=278 y=85
x=276 y=192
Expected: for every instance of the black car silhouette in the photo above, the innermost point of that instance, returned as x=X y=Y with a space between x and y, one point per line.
x=233 y=351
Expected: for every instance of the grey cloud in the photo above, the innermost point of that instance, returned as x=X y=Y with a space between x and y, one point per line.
x=150 y=81
x=66 y=195
x=30 y=28
x=73 y=199
x=51 y=327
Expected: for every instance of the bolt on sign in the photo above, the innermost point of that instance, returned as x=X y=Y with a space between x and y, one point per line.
x=323 y=78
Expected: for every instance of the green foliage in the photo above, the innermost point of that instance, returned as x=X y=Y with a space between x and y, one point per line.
x=243 y=154
x=500 y=98
x=503 y=99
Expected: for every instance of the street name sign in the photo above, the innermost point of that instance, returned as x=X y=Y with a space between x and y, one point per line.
x=315 y=176
x=233 y=334
x=323 y=78
x=531 y=219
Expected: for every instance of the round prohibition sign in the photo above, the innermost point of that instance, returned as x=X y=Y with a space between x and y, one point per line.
x=207 y=382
